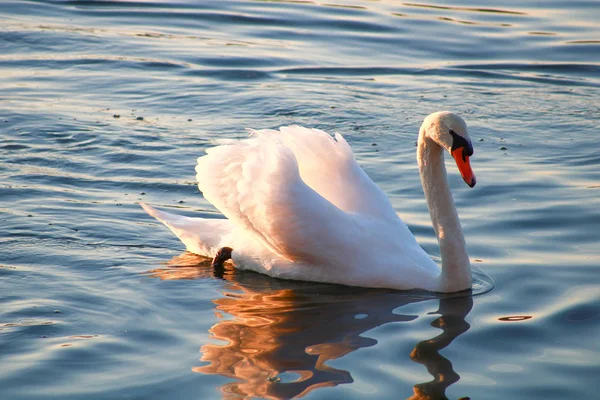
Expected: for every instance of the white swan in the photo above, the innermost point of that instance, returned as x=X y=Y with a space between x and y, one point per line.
x=298 y=206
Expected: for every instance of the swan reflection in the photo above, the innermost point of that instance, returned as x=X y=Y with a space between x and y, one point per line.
x=278 y=336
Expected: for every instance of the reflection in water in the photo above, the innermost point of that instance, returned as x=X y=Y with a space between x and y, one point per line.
x=280 y=334
x=453 y=312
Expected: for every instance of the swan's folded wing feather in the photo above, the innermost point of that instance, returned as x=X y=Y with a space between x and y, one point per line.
x=327 y=165
x=256 y=184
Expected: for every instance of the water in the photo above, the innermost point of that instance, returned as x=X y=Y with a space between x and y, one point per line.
x=97 y=299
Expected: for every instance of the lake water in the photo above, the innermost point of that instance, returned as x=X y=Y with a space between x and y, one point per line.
x=107 y=103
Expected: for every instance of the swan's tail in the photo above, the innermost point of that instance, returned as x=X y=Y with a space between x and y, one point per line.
x=200 y=235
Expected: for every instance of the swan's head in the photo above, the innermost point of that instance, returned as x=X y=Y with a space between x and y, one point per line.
x=450 y=132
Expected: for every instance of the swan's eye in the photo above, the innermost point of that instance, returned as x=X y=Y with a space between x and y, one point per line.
x=459 y=141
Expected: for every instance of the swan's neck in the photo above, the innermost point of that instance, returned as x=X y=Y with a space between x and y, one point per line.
x=456 y=269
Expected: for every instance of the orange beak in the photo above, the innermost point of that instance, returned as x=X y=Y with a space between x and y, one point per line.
x=462 y=162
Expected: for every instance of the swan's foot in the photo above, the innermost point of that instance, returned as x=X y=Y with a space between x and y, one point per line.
x=222 y=255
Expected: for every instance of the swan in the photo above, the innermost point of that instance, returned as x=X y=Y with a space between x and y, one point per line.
x=299 y=206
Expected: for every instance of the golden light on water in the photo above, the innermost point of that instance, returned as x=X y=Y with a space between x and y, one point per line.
x=275 y=339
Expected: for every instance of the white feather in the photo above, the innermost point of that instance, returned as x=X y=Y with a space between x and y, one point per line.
x=298 y=206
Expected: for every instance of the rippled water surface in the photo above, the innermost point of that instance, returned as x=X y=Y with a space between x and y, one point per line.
x=106 y=103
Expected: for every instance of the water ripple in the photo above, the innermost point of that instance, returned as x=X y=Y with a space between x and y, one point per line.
x=109 y=103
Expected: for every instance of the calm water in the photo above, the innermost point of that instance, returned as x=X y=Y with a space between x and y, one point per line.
x=98 y=301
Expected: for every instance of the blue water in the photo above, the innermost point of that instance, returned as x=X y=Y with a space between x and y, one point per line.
x=99 y=301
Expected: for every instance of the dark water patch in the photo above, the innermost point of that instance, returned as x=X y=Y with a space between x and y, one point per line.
x=104 y=350
x=494 y=73
x=469 y=9
x=591 y=70
x=215 y=18
x=229 y=74
x=91 y=62
x=293 y=111
x=14 y=41
x=349 y=71
x=124 y=157
x=14 y=147
x=136 y=146
x=552 y=80
x=581 y=313
x=493 y=191
x=229 y=62
x=580 y=160
x=264 y=20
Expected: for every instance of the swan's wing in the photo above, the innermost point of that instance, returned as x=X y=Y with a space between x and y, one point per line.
x=328 y=166
x=256 y=184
